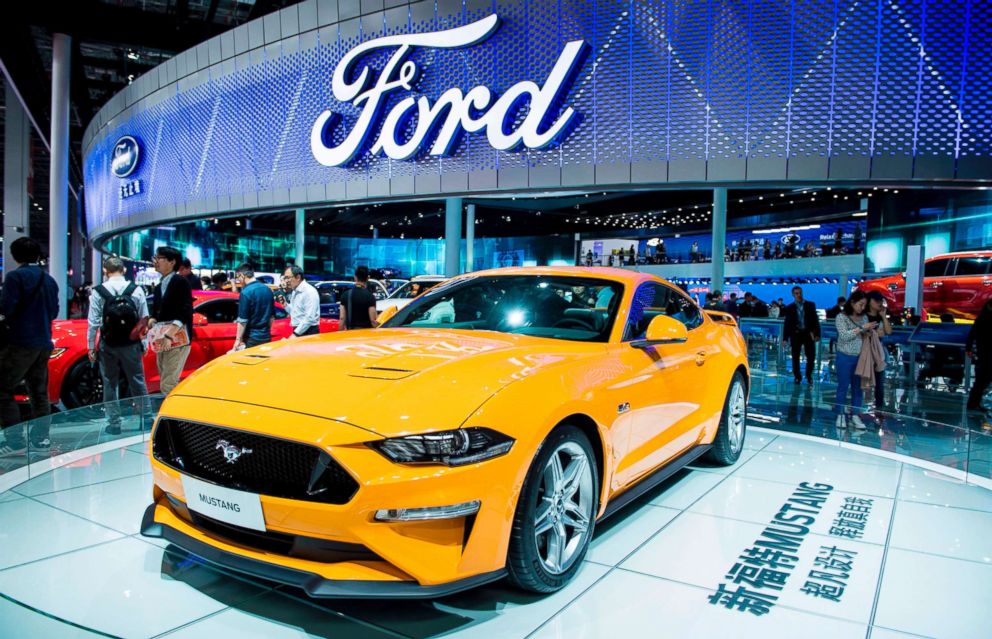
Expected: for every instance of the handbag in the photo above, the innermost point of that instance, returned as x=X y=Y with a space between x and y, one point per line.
x=157 y=332
x=140 y=329
x=23 y=303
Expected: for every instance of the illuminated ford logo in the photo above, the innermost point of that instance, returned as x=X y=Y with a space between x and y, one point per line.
x=124 y=159
x=437 y=124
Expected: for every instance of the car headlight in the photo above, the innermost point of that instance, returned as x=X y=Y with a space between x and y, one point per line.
x=57 y=352
x=451 y=448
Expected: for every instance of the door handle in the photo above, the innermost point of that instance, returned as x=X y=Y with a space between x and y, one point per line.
x=700 y=358
x=986 y=282
x=936 y=284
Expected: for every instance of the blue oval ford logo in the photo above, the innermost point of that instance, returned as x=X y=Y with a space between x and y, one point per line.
x=124 y=159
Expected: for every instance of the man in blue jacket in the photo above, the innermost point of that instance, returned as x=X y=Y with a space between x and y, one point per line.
x=29 y=303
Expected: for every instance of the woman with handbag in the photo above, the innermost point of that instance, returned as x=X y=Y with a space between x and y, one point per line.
x=877 y=314
x=852 y=326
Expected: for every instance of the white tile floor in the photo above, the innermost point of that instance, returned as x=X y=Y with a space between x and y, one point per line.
x=921 y=568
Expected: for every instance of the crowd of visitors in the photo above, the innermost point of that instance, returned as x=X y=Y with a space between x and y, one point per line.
x=789 y=246
x=125 y=319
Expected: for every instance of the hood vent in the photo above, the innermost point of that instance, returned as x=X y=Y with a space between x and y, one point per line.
x=382 y=372
x=251 y=360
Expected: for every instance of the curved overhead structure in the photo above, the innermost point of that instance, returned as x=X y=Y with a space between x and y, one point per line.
x=317 y=104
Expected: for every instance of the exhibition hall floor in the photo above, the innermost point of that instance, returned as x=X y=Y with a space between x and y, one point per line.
x=896 y=550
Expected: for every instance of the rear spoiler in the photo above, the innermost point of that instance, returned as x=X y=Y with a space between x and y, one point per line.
x=722 y=318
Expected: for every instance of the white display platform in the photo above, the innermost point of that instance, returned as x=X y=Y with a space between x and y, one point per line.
x=895 y=549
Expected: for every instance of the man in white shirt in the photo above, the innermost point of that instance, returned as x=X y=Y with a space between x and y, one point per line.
x=304 y=303
x=116 y=306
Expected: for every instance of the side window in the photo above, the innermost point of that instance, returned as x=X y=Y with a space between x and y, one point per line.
x=219 y=311
x=326 y=294
x=935 y=268
x=971 y=266
x=684 y=310
x=651 y=300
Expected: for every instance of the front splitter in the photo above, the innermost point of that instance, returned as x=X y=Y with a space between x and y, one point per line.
x=312 y=584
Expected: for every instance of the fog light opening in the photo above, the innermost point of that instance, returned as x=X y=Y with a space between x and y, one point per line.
x=428 y=513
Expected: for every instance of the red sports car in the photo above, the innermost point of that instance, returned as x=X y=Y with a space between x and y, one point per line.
x=955 y=283
x=76 y=382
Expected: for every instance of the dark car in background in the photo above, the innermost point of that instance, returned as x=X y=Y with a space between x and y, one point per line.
x=331 y=294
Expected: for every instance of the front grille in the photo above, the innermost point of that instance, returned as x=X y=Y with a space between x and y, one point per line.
x=276 y=467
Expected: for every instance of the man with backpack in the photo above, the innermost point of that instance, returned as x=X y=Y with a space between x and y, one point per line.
x=116 y=307
x=29 y=303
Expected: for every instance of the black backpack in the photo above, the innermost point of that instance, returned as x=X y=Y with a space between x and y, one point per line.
x=120 y=316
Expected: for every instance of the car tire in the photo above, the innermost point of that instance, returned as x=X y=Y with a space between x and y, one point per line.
x=729 y=440
x=82 y=385
x=564 y=502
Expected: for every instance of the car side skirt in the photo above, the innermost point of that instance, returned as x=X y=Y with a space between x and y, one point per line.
x=655 y=478
x=314 y=585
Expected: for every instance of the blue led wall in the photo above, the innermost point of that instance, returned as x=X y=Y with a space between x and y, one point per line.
x=686 y=92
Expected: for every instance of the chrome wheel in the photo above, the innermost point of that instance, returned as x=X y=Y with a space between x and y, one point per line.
x=564 y=514
x=737 y=407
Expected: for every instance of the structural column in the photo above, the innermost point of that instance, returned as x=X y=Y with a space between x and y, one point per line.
x=719 y=237
x=16 y=163
x=58 y=183
x=96 y=267
x=301 y=221
x=470 y=238
x=842 y=283
x=452 y=236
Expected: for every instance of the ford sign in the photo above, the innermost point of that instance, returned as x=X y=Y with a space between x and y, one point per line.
x=125 y=156
x=473 y=110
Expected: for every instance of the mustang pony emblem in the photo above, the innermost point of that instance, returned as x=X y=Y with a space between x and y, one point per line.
x=231 y=452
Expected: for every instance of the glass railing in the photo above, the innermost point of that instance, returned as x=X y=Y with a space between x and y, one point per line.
x=924 y=420
x=69 y=431
x=928 y=424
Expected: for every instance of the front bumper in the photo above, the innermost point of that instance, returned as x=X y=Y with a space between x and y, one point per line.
x=401 y=559
x=313 y=584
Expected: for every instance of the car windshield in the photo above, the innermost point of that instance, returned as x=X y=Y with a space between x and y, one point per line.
x=572 y=308
x=411 y=290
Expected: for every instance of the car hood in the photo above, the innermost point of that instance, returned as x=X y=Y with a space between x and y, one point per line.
x=66 y=333
x=388 y=381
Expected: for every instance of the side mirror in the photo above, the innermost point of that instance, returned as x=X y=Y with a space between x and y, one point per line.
x=387 y=314
x=662 y=330
x=199 y=319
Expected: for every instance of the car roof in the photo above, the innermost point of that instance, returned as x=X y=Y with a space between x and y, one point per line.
x=599 y=272
x=950 y=256
x=428 y=278
x=214 y=295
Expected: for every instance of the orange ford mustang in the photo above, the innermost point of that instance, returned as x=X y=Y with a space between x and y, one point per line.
x=481 y=433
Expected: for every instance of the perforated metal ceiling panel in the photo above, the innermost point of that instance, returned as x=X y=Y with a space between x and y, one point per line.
x=718 y=91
